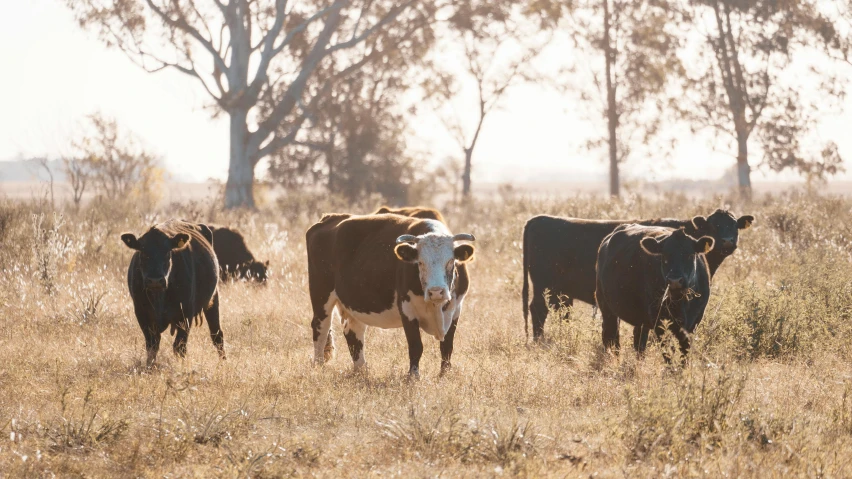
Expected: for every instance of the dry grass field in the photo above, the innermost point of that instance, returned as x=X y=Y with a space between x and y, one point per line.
x=767 y=391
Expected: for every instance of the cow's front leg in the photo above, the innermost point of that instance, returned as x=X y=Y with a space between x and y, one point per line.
x=152 y=345
x=181 y=338
x=147 y=323
x=415 y=344
x=447 y=347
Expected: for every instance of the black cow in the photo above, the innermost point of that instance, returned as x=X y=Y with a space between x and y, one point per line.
x=559 y=255
x=235 y=259
x=386 y=271
x=646 y=275
x=173 y=278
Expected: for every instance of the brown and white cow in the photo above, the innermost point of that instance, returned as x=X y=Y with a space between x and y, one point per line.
x=387 y=271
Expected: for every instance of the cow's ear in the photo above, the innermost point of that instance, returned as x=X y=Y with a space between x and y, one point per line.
x=463 y=253
x=744 y=222
x=652 y=246
x=699 y=222
x=266 y=264
x=406 y=252
x=180 y=240
x=704 y=244
x=130 y=240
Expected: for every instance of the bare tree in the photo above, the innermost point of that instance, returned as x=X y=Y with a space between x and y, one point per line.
x=244 y=53
x=78 y=176
x=116 y=163
x=636 y=44
x=498 y=45
x=743 y=82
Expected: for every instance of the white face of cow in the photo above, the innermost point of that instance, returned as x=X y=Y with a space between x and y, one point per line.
x=435 y=255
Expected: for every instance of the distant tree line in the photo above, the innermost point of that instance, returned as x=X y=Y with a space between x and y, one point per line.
x=328 y=92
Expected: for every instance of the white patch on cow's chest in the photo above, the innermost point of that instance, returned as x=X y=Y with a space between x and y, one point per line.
x=433 y=319
x=386 y=319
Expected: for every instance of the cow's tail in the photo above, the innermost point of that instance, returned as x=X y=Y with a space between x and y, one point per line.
x=525 y=290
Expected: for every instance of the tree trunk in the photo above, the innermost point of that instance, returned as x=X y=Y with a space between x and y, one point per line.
x=238 y=190
x=743 y=169
x=468 y=154
x=611 y=106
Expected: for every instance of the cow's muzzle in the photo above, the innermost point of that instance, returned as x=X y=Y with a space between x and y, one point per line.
x=676 y=284
x=158 y=284
x=437 y=295
x=727 y=246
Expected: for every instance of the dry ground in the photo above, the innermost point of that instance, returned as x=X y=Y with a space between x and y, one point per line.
x=767 y=393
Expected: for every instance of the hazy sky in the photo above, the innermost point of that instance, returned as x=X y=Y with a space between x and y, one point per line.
x=54 y=74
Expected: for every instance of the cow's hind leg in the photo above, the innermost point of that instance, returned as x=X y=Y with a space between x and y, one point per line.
x=640 y=338
x=354 y=331
x=447 y=347
x=212 y=316
x=321 y=328
x=538 y=311
x=610 y=332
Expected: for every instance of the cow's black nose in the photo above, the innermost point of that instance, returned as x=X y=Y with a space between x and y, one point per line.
x=155 y=284
x=676 y=284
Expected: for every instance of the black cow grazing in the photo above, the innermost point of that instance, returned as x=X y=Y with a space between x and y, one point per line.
x=646 y=275
x=422 y=212
x=386 y=271
x=172 y=279
x=235 y=259
x=560 y=253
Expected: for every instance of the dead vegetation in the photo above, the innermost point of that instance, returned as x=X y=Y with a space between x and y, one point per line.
x=766 y=392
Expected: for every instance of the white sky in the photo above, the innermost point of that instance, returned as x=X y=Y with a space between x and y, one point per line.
x=53 y=74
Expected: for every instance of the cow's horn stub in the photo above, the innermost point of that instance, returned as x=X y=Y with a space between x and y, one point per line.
x=406 y=239
x=464 y=237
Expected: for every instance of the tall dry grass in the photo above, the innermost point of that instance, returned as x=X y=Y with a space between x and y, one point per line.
x=767 y=392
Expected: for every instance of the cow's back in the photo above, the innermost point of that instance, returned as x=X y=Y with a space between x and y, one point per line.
x=421 y=212
x=563 y=251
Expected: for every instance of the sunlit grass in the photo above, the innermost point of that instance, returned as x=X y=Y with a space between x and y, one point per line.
x=766 y=391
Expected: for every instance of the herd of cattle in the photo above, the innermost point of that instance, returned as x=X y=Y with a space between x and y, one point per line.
x=404 y=268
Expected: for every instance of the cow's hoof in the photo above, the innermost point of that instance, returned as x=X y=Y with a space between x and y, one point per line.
x=414 y=374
